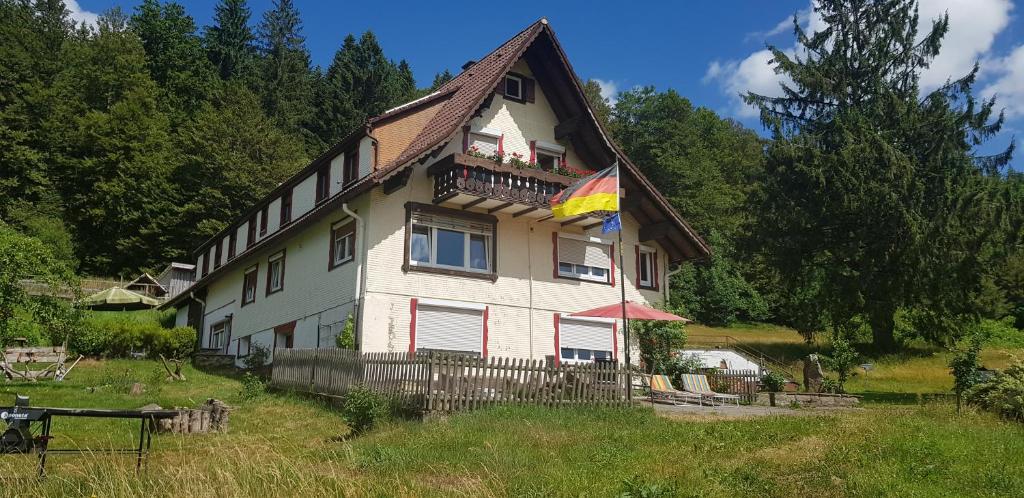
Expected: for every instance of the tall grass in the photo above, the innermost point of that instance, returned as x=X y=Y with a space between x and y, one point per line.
x=280 y=445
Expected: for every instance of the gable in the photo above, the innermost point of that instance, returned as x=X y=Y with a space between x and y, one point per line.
x=395 y=134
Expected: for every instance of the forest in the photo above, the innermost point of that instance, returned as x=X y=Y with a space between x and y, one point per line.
x=864 y=208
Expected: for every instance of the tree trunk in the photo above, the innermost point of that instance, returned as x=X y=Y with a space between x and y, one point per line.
x=883 y=327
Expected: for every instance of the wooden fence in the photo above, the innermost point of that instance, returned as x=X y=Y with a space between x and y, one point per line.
x=439 y=382
x=742 y=382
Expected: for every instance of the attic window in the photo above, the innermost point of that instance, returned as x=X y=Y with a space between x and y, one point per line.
x=513 y=87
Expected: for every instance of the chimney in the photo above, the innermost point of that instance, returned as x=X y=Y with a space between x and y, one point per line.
x=468 y=64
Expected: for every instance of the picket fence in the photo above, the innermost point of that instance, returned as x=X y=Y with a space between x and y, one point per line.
x=740 y=382
x=440 y=382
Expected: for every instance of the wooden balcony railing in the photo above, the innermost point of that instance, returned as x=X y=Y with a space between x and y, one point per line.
x=479 y=177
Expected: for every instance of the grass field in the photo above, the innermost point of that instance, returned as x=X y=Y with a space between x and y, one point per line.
x=281 y=445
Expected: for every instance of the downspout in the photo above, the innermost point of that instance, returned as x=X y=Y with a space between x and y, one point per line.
x=360 y=275
x=202 y=318
x=668 y=281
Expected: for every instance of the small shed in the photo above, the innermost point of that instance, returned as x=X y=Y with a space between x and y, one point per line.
x=146 y=284
x=176 y=278
x=721 y=358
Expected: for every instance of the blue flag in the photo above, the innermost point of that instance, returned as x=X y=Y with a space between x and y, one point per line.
x=611 y=224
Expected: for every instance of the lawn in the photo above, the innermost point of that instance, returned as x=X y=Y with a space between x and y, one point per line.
x=921 y=369
x=282 y=445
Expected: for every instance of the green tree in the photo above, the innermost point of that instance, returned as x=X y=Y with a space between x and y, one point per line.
x=225 y=165
x=23 y=257
x=115 y=154
x=870 y=184
x=360 y=82
x=287 y=82
x=229 y=41
x=658 y=342
x=174 y=56
x=440 y=79
x=601 y=106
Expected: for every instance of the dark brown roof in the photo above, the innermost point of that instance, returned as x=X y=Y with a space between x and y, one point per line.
x=469 y=88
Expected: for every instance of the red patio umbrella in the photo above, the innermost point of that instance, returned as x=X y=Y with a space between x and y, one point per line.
x=634 y=311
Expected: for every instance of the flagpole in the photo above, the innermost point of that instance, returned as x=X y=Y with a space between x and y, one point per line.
x=622 y=287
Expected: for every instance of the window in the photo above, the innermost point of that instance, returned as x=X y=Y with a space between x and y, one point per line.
x=584 y=258
x=449 y=326
x=323 y=182
x=275 y=273
x=244 y=347
x=514 y=87
x=286 y=208
x=548 y=156
x=206 y=263
x=350 y=172
x=249 y=285
x=547 y=162
x=218 y=251
x=343 y=243
x=646 y=268
x=232 y=241
x=443 y=240
x=485 y=141
x=586 y=340
x=219 y=333
x=250 y=233
x=264 y=219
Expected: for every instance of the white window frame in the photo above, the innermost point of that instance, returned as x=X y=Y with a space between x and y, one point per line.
x=646 y=255
x=574 y=360
x=584 y=272
x=277 y=259
x=467 y=237
x=519 y=80
x=218 y=338
x=344 y=241
x=246 y=299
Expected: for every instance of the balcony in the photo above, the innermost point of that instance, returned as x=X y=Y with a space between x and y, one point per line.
x=465 y=181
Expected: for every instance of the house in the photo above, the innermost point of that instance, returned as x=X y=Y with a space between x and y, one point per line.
x=176 y=278
x=431 y=226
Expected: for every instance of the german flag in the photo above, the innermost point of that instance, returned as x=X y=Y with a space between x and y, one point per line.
x=597 y=192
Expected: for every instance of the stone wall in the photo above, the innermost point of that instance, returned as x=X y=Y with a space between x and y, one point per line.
x=809 y=400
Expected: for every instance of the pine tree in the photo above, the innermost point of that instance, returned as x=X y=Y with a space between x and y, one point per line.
x=360 y=82
x=175 y=56
x=602 y=109
x=440 y=79
x=287 y=80
x=229 y=41
x=871 y=185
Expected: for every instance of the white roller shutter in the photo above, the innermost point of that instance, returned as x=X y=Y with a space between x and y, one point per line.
x=449 y=329
x=580 y=252
x=581 y=334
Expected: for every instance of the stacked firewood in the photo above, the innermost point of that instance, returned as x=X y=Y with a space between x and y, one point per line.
x=211 y=416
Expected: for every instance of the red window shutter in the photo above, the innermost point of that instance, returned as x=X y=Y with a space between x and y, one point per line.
x=615 y=340
x=554 y=254
x=412 y=325
x=528 y=90
x=533 y=151
x=612 y=254
x=562 y=163
x=501 y=145
x=487 y=310
x=558 y=349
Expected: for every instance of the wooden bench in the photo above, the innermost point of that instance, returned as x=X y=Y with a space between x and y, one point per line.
x=54 y=357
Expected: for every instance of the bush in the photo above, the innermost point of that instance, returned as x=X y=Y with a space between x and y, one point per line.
x=1002 y=394
x=1001 y=333
x=658 y=341
x=347 y=338
x=364 y=409
x=964 y=366
x=252 y=387
x=258 y=356
x=773 y=382
x=842 y=360
x=831 y=386
x=116 y=335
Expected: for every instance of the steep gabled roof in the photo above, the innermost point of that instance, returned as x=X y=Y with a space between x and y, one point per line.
x=468 y=91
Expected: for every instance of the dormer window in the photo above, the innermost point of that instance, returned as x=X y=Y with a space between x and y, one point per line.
x=514 y=87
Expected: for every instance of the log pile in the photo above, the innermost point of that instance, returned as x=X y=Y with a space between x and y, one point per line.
x=211 y=416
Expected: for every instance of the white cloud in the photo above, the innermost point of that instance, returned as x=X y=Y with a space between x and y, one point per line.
x=80 y=15
x=973 y=27
x=1008 y=83
x=609 y=90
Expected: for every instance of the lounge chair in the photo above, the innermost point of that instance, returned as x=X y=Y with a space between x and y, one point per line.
x=698 y=384
x=661 y=389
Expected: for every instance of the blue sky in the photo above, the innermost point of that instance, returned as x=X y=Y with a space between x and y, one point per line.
x=707 y=51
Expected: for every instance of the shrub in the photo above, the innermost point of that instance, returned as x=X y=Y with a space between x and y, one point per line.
x=831 y=386
x=842 y=360
x=1002 y=394
x=252 y=387
x=258 y=356
x=658 y=342
x=364 y=409
x=773 y=382
x=347 y=338
x=178 y=343
x=964 y=366
x=1001 y=333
